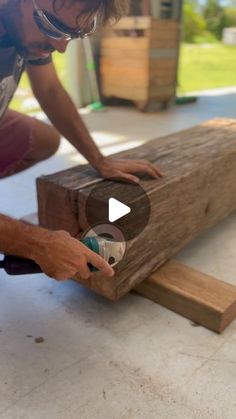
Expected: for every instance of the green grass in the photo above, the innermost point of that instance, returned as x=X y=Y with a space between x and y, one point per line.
x=200 y=67
x=206 y=67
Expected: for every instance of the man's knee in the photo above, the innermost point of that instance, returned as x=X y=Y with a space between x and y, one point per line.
x=53 y=142
x=45 y=141
x=29 y=141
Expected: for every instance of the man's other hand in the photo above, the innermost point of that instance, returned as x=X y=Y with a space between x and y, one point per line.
x=123 y=169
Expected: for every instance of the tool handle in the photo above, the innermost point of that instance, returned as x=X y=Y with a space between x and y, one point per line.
x=14 y=265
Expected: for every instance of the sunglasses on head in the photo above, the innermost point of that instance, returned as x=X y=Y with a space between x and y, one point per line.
x=53 y=28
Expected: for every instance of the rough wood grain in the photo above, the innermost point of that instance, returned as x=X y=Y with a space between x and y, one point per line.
x=197 y=191
x=193 y=294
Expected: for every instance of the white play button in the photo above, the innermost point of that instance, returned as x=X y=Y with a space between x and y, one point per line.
x=117 y=209
x=126 y=207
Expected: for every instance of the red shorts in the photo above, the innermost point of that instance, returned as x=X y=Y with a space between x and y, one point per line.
x=16 y=140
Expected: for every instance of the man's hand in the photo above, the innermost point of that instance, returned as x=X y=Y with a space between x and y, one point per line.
x=62 y=257
x=123 y=169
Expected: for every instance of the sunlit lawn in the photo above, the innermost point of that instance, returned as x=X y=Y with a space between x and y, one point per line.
x=206 y=67
x=200 y=67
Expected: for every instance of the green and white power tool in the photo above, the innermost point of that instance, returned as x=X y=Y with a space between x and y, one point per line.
x=108 y=249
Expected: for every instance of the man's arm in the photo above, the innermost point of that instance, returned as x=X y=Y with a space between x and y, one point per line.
x=61 y=111
x=63 y=114
x=57 y=253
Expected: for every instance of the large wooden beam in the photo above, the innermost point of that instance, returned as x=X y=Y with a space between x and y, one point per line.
x=197 y=191
x=193 y=294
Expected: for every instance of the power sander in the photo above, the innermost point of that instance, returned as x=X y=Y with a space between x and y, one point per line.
x=110 y=250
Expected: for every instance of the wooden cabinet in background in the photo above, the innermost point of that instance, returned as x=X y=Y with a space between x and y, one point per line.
x=139 y=60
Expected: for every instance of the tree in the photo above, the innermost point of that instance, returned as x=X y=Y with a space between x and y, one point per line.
x=230 y=16
x=214 y=16
x=193 y=23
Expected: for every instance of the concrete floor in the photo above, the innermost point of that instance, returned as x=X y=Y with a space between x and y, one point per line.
x=126 y=360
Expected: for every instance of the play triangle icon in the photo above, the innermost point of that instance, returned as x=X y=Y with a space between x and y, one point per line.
x=117 y=209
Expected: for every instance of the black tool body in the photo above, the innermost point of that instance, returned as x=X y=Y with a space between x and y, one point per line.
x=14 y=265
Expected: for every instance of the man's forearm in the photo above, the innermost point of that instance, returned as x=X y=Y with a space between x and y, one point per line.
x=21 y=239
x=57 y=253
x=66 y=119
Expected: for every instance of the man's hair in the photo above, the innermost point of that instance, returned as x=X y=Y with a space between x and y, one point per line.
x=107 y=11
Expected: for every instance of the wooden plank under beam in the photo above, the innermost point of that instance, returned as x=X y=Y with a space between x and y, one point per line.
x=197 y=191
x=193 y=294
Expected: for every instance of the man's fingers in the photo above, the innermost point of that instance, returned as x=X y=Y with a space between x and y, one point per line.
x=124 y=177
x=150 y=171
x=100 y=263
x=142 y=168
x=84 y=270
x=146 y=166
x=157 y=170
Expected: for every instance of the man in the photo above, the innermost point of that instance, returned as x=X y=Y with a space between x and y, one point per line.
x=30 y=30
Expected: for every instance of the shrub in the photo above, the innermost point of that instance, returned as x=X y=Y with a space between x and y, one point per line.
x=214 y=16
x=205 y=37
x=230 y=17
x=193 y=23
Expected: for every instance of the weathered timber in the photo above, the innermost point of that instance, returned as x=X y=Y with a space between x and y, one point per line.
x=197 y=191
x=204 y=299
